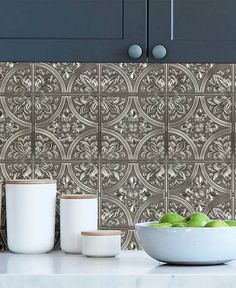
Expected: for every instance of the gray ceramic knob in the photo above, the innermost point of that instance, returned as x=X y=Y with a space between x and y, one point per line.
x=135 y=51
x=159 y=52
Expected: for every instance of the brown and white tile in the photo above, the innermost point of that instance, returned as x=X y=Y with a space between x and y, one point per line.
x=180 y=80
x=113 y=79
x=208 y=120
x=199 y=184
x=152 y=80
x=219 y=79
x=17 y=78
x=134 y=186
x=85 y=79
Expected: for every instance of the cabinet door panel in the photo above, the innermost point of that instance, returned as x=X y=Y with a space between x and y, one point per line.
x=72 y=30
x=53 y=19
x=193 y=30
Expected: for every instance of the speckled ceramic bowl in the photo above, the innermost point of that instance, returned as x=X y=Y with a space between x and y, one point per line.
x=188 y=246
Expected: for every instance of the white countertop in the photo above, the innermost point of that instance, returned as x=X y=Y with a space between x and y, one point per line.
x=131 y=269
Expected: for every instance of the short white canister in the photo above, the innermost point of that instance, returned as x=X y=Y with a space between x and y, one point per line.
x=101 y=243
x=30 y=206
x=77 y=213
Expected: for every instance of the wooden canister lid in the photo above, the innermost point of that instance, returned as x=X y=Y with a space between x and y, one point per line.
x=79 y=196
x=31 y=181
x=101 y=233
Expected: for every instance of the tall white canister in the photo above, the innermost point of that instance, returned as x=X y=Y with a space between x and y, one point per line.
x=30 y=206
x=1 y=183
x=77 y=213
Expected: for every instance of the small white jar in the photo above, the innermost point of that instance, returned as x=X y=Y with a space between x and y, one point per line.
x=101 y=243
x=77 y=213
x=30 y=206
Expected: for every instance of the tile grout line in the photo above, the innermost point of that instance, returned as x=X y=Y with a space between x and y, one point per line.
x=99 y=144
x=33 y=125
x=122 y=94
x=122 y=161
x=233 y=143
x=166 y=143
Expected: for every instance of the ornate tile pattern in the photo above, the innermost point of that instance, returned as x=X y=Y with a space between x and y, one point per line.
x=147 y=138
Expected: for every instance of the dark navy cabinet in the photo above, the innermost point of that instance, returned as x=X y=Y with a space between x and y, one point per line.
x=192 y=30
x=73 y=30
x=118 y=30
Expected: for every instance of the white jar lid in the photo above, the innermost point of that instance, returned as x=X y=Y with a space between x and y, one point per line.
x=101 y=233
x=79 y=196
x=31 y=181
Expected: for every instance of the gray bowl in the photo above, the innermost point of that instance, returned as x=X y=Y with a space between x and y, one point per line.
x=188 y=246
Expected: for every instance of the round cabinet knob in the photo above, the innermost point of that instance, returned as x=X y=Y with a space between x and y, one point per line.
x=135 y=51
x=159 y=52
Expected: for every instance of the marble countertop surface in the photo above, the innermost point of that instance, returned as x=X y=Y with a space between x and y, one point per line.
x=131 y=269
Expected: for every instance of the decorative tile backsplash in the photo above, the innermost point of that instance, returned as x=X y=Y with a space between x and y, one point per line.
x=146 y=137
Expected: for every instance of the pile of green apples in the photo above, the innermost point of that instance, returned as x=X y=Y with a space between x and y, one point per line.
x=196 y=219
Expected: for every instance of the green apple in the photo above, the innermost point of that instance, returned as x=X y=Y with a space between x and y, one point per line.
x=216 y=223
x=159 y=225
x=179 y=225
x=196 y=219
x=231 y=222
x=171 y=218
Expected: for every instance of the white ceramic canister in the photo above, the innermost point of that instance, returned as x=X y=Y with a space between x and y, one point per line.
x=30 y=208
x=101 y=243
x=77 y=213
x=1 y=183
